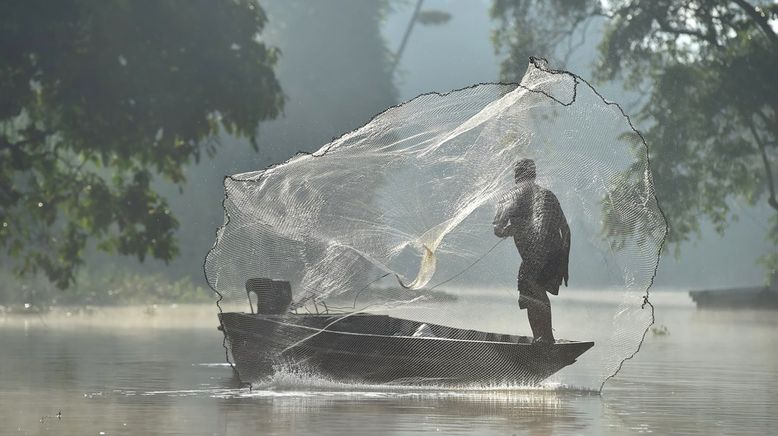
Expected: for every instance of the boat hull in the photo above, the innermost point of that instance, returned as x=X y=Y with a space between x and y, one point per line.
x=368 y=348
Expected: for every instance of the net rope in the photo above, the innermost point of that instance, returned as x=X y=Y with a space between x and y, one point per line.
x=374 y=217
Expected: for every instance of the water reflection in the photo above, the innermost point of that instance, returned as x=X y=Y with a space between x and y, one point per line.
x=535 y=412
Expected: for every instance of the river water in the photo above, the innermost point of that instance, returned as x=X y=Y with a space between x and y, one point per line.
x=161 y=370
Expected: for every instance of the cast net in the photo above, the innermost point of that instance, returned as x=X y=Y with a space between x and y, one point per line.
x=385 y=237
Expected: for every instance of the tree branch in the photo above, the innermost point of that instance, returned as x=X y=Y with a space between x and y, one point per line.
x=39 y=136
x=665 y=26
x=770 y=126
x=760 y=20
x=571 y=47
x=771 y=200
x=407 y=34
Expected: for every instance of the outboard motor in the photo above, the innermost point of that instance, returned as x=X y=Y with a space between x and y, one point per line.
x=273 y=296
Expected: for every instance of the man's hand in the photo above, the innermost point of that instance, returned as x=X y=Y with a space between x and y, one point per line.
x=502 y=223
x=503 y=231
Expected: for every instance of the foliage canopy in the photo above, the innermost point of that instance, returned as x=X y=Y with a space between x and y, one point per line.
x=705 y=70
x=98 y=99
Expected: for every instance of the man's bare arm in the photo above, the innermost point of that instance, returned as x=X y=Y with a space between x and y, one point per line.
x=564 y=229
x=502 y=223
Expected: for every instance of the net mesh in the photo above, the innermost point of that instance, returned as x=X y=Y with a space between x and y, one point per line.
x=398 y=218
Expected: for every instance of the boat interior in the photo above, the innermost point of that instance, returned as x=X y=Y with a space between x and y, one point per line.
x=385 y=325
x=274 y=300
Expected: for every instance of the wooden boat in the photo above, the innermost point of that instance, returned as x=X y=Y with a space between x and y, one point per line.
x=362 y=347
x=371 y=348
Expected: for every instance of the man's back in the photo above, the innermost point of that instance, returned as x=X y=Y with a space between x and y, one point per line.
x=532 y=215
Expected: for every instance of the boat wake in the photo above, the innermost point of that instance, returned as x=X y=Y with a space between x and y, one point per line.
x=294 y=383
x=285 y=380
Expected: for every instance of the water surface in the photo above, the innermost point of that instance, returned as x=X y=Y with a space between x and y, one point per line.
x=145 y=370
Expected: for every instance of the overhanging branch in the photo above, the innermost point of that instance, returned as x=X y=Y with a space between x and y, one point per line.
x=760 y=20
x=771 y=200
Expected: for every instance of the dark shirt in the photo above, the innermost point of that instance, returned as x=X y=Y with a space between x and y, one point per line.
x=532 y=215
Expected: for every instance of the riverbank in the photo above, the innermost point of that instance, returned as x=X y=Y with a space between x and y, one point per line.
x=110 y=287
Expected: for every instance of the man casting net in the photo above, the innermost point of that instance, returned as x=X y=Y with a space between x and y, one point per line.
x=375 y=259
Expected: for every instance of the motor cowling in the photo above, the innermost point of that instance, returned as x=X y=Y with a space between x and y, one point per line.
x=273 y=296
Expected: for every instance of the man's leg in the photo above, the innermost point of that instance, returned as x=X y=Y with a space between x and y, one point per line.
x=534 y=320
x=546 y=329
x=539 y=315
x=528 y=300
x=535 y=299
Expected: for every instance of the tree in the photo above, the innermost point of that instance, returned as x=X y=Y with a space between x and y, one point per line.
x=98 y=99
x=706 y=71
x=539 y=28
x=430 y=17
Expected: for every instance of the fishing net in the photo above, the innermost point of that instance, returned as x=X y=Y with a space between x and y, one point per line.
x=375 y=259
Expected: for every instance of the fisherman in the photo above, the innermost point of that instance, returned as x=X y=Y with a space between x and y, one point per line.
x=532 y=215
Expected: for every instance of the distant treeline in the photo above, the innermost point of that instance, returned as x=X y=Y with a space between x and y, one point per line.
x=105 y=288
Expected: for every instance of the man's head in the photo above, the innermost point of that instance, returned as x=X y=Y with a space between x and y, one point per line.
x=525 y=170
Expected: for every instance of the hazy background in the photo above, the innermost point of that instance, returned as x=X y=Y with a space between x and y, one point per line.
x=335 y=92
x=335 y=72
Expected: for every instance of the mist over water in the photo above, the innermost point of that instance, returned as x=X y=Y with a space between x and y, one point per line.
x=126 y=371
